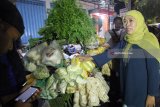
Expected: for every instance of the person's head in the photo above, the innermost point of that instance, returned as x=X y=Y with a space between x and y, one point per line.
x=8 y=34
x=134 y=22
x=137 y=32
x=118 y=24
x=11 y=25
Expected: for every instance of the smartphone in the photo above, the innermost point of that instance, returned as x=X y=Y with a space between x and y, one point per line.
x=26 y=94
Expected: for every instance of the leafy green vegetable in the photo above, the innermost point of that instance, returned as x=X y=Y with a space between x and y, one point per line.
x=63 y=100
x=67 y=21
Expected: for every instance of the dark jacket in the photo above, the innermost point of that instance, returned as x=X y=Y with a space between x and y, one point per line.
x=12 y=73
x=139 y=77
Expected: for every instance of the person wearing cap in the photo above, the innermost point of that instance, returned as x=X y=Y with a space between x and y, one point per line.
x=12 y=71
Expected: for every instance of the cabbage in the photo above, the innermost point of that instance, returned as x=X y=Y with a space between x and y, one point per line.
x=83 y=100
x=106 y=70
x=62 y=86
x=67 y=78
x=85 y=74
x=101 y=49
x=30 y=66
x=76 y=99
x=93 y=99
x=53 y=93
x=92 y=43
x=71 y=89
x=87 y=66
x=92 y=87
x=50 y=81
x=104 y=98
x=54 y=85
x=103 y=87
x=72 y=83
x=80 y=80
x=101 y=40
x=41 y=72
x=96 y=51
x=35 y=53
x=99 y=76
x=62 y=72
x=82 y=95
x=75 y=61
x=102 y=93
x=76 y=105
x=45 y=94
x=74 y=71
x=73 y=76
x=53 y=89
x=48 y=93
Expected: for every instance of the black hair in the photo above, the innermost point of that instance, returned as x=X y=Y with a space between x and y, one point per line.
x=11 y=15
x=117 y=18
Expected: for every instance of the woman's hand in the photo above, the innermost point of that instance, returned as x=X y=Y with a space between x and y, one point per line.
x=84 y=57
x=106 y=45
x=150 y=101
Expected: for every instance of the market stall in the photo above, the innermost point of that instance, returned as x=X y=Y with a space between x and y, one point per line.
x=65 y=80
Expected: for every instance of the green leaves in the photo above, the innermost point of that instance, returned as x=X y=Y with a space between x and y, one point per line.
x=63 y=100
x=69 y=22
x=149 y=8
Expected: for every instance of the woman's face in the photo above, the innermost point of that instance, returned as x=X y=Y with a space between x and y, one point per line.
x=129 y=23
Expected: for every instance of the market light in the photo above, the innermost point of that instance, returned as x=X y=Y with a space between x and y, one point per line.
x=102 y=16
x=97 y=14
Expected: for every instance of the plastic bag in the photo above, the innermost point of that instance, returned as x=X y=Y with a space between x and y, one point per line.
x=52 y=55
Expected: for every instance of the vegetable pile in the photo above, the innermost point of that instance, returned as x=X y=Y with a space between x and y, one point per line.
x=80 y=78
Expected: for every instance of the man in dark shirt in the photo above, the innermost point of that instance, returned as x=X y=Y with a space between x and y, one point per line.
x=12 y=72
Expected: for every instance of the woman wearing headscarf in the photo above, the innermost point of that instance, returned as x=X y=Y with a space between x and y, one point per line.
x=139 y=62
x=146 y=79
